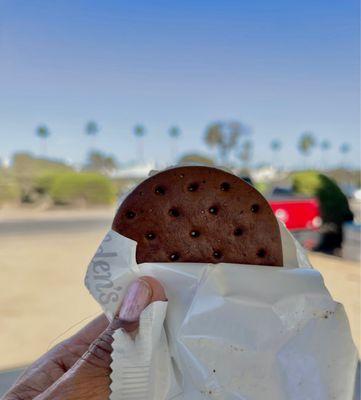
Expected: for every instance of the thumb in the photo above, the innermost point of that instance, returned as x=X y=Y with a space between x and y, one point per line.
x=139 y=295
x=89 y=376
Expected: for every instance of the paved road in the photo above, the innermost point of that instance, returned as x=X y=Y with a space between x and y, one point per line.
x=7 y=378
x=33 y=227
x=356 y=209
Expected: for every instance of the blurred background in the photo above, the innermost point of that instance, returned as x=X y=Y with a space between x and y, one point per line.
x=94 y=95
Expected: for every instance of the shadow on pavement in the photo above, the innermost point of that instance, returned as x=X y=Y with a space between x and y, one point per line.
x=7 y=378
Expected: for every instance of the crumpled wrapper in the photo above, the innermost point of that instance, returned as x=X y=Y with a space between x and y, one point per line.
x=228 y=331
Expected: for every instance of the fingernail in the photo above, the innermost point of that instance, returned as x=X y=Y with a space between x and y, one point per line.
x=138 y=296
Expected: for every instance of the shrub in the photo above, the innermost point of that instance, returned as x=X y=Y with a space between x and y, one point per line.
x=44 y=182
x=74 y=188
x=9 y=189
x=333 y=203
x=262 y=187
x=195 y=158
x=27 y=169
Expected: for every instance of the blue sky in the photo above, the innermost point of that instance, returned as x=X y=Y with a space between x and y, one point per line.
x=281 y=66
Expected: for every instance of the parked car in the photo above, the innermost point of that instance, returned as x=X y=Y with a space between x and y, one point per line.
x=301 y=216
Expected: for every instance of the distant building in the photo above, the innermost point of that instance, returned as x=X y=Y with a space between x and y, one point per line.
x=267 y=173
x=134 y=171
x=4 y=162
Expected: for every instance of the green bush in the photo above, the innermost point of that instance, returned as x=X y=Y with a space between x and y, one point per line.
x=27 y=169
x=44 y=183
x=333 y=203
x=9 y=189
x=262 y=187
x=195 y=158
x=75 y=188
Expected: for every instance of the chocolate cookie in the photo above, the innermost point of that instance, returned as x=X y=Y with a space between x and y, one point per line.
x=199 y=214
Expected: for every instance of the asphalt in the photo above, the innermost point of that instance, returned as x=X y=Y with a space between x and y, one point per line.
x=32 y=227
x=7 y=378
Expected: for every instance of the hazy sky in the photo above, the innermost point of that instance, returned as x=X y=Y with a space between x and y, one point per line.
x=280 y=66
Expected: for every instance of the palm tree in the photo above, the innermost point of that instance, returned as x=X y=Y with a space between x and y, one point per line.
x=246 y=154
x=224 y=136
x=101 y=162
x=91 y=128
x=139 y=132
x=275 y=147
x=174 y=133
x=213 y=135
x=43 y=132
x=344 y=150
x=325 y=145
x=306 y=143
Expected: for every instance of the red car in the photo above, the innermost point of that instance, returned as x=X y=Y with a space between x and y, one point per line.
x=301 y=216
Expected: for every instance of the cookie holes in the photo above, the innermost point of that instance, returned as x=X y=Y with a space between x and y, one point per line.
x=217 y=254
x=174 y=257
x=160 y=190
x=261 y=253
x=150 y=235
x=130 y=214
x=225 y=186
x=192 y=187
x=194 y=233
x=174 y=212
x=213 y=210
x=238 y=232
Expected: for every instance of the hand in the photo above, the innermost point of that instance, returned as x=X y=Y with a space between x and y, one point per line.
x=79 y=367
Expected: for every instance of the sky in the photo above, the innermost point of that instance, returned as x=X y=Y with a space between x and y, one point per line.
x=282 y=67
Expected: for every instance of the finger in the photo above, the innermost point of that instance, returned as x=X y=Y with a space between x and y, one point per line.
x=92 y=343
x=95 y=327
x=94 y=366
x=139 y=295
x=90 y=331
x=53 y=364
x=157 y=289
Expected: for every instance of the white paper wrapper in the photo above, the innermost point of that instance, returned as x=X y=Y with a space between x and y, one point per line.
x=230 y=332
